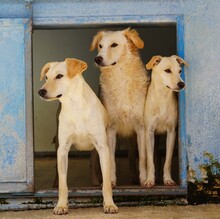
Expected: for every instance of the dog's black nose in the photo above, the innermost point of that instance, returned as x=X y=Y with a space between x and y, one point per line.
x=42 y=92
x=181 y=85
x=98 y=60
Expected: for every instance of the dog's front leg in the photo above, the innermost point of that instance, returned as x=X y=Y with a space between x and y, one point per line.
x=170 y=142
x=150 y=182
x=140 y=130
x=111 y=139
x=104 y=155
x=62 y=160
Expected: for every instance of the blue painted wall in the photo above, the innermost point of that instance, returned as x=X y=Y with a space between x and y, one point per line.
x=202 y=52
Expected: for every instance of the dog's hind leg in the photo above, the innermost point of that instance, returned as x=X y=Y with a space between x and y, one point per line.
x=170 y=142
x=111 y=139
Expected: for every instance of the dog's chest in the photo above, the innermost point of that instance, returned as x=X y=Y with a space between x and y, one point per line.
x=121 y=92
x=80 y=135
x=165 y=118
x=123 y=95
x=82 y=142
x=76 y=124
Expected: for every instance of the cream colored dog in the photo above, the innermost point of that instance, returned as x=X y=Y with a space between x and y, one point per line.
x=161 y=111
x=123 y=89
x=82 y=122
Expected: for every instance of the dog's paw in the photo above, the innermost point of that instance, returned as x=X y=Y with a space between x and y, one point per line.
x=169 y=182
x=148 y=184
x=59 y=210
x=110 y=209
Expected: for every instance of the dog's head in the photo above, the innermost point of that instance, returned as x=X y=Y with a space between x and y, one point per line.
x=112 y=45
x=168 y=71
x=59 y=76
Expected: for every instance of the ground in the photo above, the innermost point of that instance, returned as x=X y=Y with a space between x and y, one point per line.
x=153 y=212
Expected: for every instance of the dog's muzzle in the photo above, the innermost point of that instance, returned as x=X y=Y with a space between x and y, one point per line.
x=99 y=62
x=180 y=86
x=42 y=92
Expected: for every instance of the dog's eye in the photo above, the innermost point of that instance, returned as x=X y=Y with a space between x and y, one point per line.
x=59 y=76
x=180 y=71
x=46 y=77
x=168 y=71
x=114 y=45
x=100 y=46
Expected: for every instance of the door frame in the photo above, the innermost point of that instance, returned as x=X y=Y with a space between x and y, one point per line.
x=110 y=21
x=26 y=183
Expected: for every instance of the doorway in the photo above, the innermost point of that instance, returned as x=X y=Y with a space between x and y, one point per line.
x=58 y=44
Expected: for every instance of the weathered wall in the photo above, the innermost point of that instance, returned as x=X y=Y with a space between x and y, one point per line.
x=202 y=48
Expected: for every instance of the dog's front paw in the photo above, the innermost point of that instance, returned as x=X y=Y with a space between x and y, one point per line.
x=148 y=183
x=59 y=210
x=169 y=182
x=110 y=209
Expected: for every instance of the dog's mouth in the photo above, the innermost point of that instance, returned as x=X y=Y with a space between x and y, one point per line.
x=174 y=89
x=58 y=96
x=51 y=98
x=106 y=66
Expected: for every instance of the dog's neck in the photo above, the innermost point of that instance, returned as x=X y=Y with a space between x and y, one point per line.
x=159 y=90
x=75 y=95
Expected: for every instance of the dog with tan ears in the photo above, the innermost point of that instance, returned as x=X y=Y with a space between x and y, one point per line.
x=82 y=122
x=124 y=84
x=161 y=111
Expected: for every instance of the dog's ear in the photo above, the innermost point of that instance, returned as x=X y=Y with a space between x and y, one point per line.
x=155 y=60
x=74 y=67
x=133 y=36
x=44 y=70
x=96 y=40
x=180 y=60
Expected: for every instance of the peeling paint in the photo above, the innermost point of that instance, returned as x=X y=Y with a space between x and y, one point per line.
x=207 y=187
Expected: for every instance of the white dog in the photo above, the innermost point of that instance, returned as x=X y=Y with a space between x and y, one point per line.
x=82 y=122
x=123 y=89
x=161 y=111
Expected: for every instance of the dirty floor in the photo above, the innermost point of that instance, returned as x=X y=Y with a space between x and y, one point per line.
x=145 y=212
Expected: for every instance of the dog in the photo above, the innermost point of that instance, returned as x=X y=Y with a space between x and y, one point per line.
x=82 y=122
x=161 y=111
x=124 y=84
